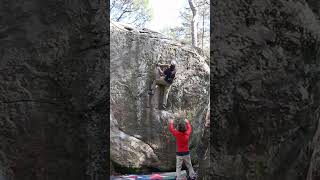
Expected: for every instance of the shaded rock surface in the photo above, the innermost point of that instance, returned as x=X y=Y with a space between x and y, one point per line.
x=266 y=87
x=134 y=55
x=53 y=90
x=128 y=150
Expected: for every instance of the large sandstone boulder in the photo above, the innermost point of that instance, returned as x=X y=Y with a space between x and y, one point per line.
x=134 y=55
x=266 y=88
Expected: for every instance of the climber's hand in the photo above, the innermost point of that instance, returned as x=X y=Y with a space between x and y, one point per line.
x=186 y=120
x=170 y=120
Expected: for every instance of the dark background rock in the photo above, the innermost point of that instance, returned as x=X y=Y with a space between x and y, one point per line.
x=265 y=84
x=53 y=89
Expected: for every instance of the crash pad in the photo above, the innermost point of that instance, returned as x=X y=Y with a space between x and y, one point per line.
x=153 y=176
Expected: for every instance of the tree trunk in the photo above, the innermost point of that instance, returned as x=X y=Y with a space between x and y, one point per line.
x=194 y=23
x=203 y=16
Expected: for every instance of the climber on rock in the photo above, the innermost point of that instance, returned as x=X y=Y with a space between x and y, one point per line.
x=165 y=74
x=182 y=140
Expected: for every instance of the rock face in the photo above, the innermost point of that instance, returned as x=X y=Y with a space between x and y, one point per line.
x=134 y=55
x=53 y=90
x=266 y=89
x=129 y=150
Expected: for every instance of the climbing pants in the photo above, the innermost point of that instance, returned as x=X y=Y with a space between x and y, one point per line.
x=187 y=160
x=160 y=81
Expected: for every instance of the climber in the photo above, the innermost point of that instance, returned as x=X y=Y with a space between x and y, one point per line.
x=182 y=141
x=165 y=78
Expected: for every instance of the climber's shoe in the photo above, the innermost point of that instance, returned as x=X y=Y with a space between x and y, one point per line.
x=150 y=92
x=164 y=106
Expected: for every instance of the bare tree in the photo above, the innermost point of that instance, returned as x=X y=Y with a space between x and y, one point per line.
x=204 y=12
x=194 y=23
x=183 y=32
x=135 y=12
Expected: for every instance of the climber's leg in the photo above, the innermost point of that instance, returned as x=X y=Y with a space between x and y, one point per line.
x=157 y=72
x=154 y=82
x=178 y=167
x=166 y=94
x=187 y=160
x=161 y=81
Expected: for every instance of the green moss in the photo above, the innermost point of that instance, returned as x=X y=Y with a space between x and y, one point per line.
x=189 y=116
x=125 y=170
x=260 y=170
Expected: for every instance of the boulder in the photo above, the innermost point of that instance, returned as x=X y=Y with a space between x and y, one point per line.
x=134 y=55
x=265 y=89
x=129 y=151
x=54 y=90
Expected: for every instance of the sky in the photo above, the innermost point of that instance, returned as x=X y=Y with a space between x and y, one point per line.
x=165 y=13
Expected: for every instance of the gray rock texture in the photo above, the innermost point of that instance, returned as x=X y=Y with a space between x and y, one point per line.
x=134 y=55
x=128 y=150
x=53 y=90
x=266 y=89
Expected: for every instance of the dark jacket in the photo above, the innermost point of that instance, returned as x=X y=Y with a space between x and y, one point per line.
x=169 y=75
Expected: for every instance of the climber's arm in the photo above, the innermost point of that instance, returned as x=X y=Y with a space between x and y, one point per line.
x=189 y=129
x=160 y=71
x=161 y=68
x=163 y=65
x=171 y=128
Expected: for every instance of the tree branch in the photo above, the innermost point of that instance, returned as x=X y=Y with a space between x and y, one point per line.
x=113 y=4
x=125 y=10
x=118 y=19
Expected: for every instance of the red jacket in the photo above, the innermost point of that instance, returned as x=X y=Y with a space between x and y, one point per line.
x=182 y=138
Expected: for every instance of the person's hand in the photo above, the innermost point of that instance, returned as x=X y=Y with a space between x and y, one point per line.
x=186 y=120
x=170 y=120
